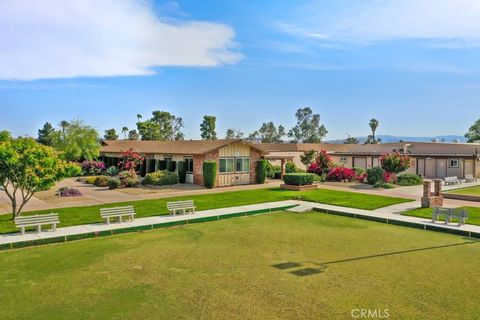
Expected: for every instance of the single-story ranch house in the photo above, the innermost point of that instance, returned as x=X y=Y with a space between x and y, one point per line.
x=236 y=159
x=429 y=159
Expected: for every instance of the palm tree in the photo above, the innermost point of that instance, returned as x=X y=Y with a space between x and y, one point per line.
x=64 y=124
x=125 y=130
x=139 y=116
x=373 y=125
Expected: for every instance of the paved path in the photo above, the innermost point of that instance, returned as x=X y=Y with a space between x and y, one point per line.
x=384 y=214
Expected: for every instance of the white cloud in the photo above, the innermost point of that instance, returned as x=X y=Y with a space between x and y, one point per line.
x=384 y=20
x=62 y=39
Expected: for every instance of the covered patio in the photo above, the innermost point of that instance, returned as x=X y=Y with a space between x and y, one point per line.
x=283 y=160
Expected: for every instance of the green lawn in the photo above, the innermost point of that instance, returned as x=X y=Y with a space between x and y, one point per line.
x=473 y=214
x=474 y=191
x=145 y=208
x=272 y=266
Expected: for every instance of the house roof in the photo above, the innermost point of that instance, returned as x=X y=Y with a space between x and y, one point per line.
x=189 y=147
x=413 y=148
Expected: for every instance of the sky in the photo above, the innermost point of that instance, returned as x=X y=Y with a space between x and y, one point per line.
x=412 y=64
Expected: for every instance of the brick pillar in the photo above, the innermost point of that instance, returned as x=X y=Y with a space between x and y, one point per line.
x=438 y=187
x=427 y=186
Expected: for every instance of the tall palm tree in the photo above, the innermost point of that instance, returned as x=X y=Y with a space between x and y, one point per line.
x=139 y=116
x=64 y=125
x=373 y=126
x=125 y=130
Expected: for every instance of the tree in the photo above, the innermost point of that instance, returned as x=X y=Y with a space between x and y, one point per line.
x=473 y=133
x=130 y=160
x=169 y=126
x=125 y=131
x=308 y=128
x=372 y=139
x=133 y=135
x=64 y=125
x=269 y=133
x=322 y=165
x=207 y=128
x=78 y=142
x=308 y=157
x=351 y=140
x=149 y=130
x=5 y=136
x=27 y=167
x=45 y=134
x=111 y=134
x=234 y=134
x=139 y=116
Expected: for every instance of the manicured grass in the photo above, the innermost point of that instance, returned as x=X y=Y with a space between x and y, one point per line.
x=473 y=214
x=145 y=208
x=474 y=191
x=273 y=266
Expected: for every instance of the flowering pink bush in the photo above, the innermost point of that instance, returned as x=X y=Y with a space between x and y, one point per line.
x=92 y=168
x=323 y=163
x=395 y=162
x=390 y=177
x=341 y=174
x=130 y=161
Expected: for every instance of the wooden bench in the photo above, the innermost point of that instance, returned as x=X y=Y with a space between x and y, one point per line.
x=183 y=206
x=470 y=178
x=117 y=213
x=450 y=214
x=452 y=180
x=37 y=221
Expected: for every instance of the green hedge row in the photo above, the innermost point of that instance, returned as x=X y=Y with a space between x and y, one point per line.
x=298 y=179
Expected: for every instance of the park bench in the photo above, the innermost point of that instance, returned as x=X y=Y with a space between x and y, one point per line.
x=449 y=214
x=37 y=221
x=183 y=206
x=452 y=180
x=470 y=178
x=117 y=213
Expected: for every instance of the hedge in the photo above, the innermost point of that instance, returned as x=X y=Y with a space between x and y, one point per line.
x=209 y=173
x=182 y=171
x=409 y=179
x=160 y=178
x=298 y=179
x=261 y=171
x=375 y=175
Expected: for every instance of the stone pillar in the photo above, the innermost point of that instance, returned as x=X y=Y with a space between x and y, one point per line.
x=438 y=187
x=435 y=199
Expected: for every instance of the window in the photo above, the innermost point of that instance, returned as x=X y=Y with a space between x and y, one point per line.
x=343 y=159
x=226 y=165
x=188 y=164
x=242 y=164
x=453 y=163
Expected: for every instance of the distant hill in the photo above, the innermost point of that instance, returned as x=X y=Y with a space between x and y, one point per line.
x=387 y=138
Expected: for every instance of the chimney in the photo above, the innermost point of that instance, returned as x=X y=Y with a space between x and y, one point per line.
x=406 y=146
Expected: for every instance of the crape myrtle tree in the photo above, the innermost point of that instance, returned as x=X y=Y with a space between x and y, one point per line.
x=27 y=167
x=207 y=128
x=308 y=128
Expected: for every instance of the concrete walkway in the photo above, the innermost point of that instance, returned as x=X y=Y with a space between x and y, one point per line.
x=386 y=215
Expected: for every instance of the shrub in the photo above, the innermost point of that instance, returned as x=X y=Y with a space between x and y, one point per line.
x=73 y=169
x=209 y=173
x=90 y=180
x=341 y=174
x=114 y=183
x=261 y=171
x=395 y=162
x=359 y=171
x=389 y=177
x=101 y=181
x=69 y=192
x=375 y=175
x=92 y=168
x=182 y=171
x=160 y=178
x=322 y=165
x=409 y=179
x=129 y=179
x=383 y=185
x=112 y=171
x=130 y=160
x=171 y=166
x=273 y=170
x=298 y=179
x=290 y=167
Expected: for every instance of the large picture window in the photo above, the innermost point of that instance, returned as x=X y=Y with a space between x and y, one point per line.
x=226 y=165
x=188 y=164
x=242 y=164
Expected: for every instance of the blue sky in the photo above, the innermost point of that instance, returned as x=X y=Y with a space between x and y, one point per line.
x=414 y=65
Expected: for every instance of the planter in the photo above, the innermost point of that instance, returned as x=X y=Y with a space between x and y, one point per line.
x=298 y=188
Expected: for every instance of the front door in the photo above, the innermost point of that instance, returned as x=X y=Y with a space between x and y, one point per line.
x=421 y=167
x=441 y=168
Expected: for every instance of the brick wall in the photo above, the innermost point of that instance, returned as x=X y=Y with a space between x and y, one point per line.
x=198 y=166
x=255 y=155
